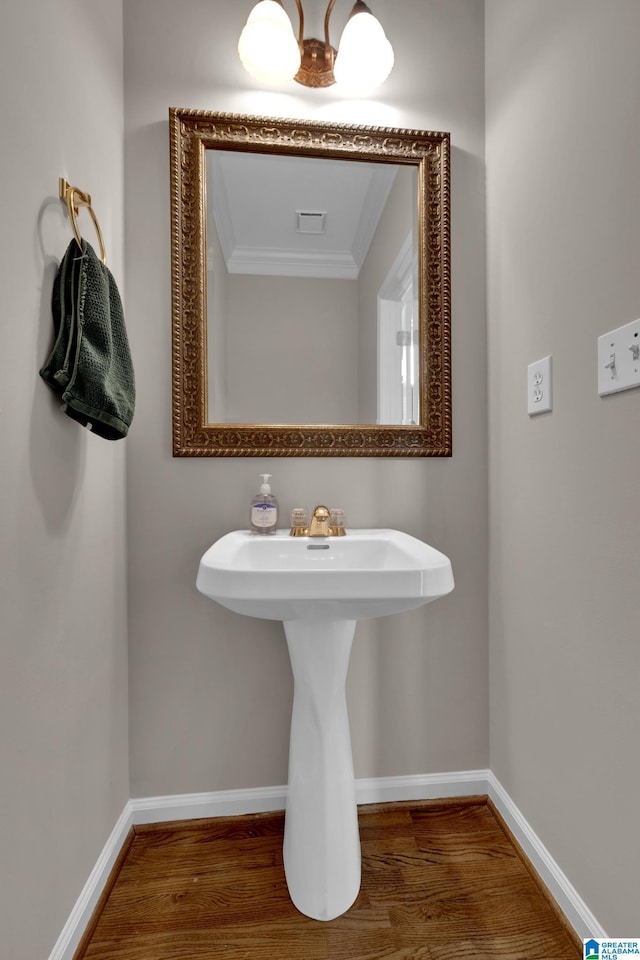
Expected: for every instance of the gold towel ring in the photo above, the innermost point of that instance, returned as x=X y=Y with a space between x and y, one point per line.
x=74 y=199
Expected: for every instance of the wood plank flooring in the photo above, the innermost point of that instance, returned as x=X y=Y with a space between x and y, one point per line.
x=441 y=880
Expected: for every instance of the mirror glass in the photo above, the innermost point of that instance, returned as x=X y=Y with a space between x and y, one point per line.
x=312 y=309
x=310 y=277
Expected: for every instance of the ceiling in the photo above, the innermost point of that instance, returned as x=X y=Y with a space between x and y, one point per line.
x=264 y=205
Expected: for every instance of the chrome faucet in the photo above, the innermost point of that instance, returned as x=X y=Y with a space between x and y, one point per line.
x=319 y=526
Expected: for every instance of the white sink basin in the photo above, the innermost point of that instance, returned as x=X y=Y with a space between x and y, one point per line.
x=319 y=587
x=367 y=573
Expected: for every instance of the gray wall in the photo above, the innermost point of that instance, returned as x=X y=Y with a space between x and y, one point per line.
x=563 y=213
x=63 y=674
x=210 y=690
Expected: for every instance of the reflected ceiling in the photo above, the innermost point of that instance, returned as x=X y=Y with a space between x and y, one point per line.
x=296 y=216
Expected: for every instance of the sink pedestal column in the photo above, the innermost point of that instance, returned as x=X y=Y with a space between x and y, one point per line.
x=321 y=838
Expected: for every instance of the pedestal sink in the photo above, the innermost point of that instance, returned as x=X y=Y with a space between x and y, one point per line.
x=320 y=587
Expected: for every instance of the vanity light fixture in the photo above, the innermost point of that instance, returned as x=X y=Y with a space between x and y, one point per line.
x=270 y=52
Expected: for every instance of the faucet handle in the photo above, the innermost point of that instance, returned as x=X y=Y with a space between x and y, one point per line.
x=336 y=522
x=299 y=522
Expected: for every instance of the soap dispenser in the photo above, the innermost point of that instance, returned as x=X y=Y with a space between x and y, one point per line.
x=264 y=509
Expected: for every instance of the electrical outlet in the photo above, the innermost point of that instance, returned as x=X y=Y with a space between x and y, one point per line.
x=539 y=392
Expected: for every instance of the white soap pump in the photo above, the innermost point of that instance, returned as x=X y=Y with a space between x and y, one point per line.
x=264 y=509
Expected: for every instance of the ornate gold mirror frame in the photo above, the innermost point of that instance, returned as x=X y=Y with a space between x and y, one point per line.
x=192 y=133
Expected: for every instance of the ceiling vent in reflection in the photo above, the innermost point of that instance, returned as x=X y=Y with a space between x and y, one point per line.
x=311 y=221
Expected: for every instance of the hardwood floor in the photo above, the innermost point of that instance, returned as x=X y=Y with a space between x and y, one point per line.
x=441 y=880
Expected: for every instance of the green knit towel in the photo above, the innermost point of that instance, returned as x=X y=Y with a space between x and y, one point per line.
x=90 y=363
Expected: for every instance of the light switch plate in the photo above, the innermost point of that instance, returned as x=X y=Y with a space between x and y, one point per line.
x=539 y=392
x=619 y=359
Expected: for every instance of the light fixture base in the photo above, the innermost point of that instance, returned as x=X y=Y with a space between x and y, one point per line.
x=316 y=67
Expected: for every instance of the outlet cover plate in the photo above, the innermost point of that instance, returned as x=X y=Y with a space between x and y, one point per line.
x=539 y=387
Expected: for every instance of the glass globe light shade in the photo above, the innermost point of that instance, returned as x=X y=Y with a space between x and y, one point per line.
x=365 y=56
x=267 y=47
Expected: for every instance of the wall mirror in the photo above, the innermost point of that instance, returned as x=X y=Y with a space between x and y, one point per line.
x=310 y=288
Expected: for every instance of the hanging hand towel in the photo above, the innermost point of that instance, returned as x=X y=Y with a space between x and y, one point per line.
x=90 y=364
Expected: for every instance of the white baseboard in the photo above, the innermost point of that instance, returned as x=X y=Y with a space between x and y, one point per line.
x=563 y=892
x=428 y=786
x=229 y=803
x=85 y=905
x=226 y=803
x=222 y=803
